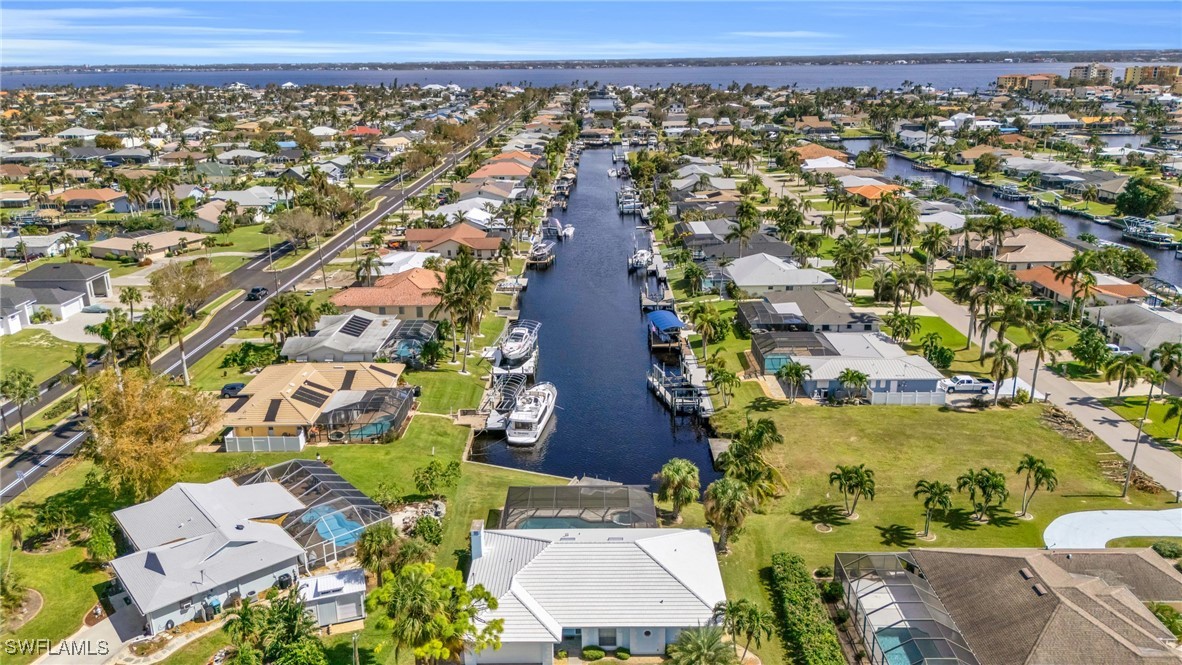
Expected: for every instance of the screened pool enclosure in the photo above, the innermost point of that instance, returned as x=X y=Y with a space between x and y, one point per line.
x=578 y=507
x=335 y=512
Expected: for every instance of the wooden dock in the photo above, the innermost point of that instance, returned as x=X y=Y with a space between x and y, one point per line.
x=658 y=298
x=535 y=263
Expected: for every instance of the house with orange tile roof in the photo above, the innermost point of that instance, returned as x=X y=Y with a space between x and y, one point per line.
x=814 y=151
x=869 y=193
x=447 y=241
x=86 y=200
x=406 y=294
x=1109 y=290
x=503 y=170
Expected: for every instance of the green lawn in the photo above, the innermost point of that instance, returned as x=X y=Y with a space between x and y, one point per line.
x=1140 y=541
x=1068 y=333
x=936 y=444
x=966 y=359
x=1133 y=408
x=445 y=389
x=37 y=351
x=208 y=374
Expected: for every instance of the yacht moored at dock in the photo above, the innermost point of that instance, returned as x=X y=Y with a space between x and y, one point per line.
x=520 y=341
x=532 y=412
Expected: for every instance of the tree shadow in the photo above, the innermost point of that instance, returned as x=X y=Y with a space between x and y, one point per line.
x=830 y=515
x=342 y=652
x=999 y=518
x=897 y=535
x=764 y=404
x=957 y=519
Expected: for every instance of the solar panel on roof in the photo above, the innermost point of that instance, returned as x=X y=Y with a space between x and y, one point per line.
x=382 y=371
x=355 y=326
x=317 y=386
x=272 y=410
x=309 y=396
x=347 y=382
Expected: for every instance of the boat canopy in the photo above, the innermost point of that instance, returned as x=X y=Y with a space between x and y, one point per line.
x=664 y=320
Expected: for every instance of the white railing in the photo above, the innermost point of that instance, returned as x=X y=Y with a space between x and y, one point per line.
x=934 y=398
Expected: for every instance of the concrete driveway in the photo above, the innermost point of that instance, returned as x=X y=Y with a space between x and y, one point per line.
x=1094 y=528
x=73 y=328
x=100 y=643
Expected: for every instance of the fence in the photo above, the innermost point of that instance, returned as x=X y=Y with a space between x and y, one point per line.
x=934 y=398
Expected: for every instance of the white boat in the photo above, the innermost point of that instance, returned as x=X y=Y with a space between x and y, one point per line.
x=568 y=232
x=612 y=173
x=520 y=341
x=640 y=260
x=533 y=411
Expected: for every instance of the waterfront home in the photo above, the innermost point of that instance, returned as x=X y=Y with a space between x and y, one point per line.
x=286 y=406
x=1106 y=185
x=1007 y=606
x=805 y=309
x=357 y=336
x=759 y=274
x=88 y=200
x=198 y=547
x=91 y=281
x=707 y=240
x=476 y=209
x=407 y=294
x=1137 y=326
x=1108 y=290
x=157 y=245
x=1053 y=120
x=15 y=199
x=914 y=139
x=809 y=151
x=823 y=163
x=971 y=155
x=709 y=203
x=40 y=245
x=447 y=241
x=811 y=124
x=610 y=588
x=1020 y=249
x=491 y=190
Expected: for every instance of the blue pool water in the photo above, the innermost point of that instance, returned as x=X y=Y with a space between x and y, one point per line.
x=333 y=526
x=889 y=640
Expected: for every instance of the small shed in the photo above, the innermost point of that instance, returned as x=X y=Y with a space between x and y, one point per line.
x=335 y=598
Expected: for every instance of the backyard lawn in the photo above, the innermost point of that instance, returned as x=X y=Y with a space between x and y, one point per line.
x=445 y=390
x=37 y=351
x=1133 y=408
x=939 y=444
x=966 y=359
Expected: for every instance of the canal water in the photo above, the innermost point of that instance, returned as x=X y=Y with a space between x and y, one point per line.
x=1168 y=268
x=594 y=349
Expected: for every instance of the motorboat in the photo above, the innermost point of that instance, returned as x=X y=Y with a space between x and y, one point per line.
x=520 y=341
x=532 y=412
x=640 y=260
x=612 y=173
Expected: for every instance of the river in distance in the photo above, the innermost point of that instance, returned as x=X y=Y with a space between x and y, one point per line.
x=968 y=76
x=594 y=349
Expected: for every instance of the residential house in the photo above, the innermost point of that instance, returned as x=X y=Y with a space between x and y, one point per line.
x=53 y=244
x=609 y=587
x=90 y=280
x=1021 y=249
x=357 y=336
x=447 y=241
x=1137 y=326
x=1008 y=606
x=200 y=547
x=914 y=139
x=971 y=155
x=707 y=240
x=60 y=303
x=805 y=309
x=87 y=200
x=16 y=309
x=15 y=198
x=1108 y=290
x=759 y=274
x=161 y=244
x=285 y=406
x=407 y=294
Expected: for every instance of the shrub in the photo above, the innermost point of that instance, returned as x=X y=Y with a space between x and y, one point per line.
x=623 y=654
x=832 y=592
x=593 y=653
x=429 y=529
x=807 y=632
x=824 y=571
x=561 y=655
x=1022 y=397
x=1168 y=549
x=841 y=616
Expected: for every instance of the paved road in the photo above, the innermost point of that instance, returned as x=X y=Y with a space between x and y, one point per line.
x=1154 y=460
x=1094 y=528
x=33 y=463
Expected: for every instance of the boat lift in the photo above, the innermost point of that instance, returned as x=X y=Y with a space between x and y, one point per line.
x=500 y=399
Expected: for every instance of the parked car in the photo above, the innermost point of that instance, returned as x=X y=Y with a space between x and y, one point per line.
x=1119 y=350
x=967 y=384
x=96 y=308
x=257 y=293
x=232 y=390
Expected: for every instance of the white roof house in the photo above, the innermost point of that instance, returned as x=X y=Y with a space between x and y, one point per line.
x=198 y=542
x=323 y=131
x=823 y=163
x=78 y=133
x=763 y=273
x=354 y=337
x=396 y=262
x=635 y=588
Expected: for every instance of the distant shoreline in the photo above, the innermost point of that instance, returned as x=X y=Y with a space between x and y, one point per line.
x=1031 y=57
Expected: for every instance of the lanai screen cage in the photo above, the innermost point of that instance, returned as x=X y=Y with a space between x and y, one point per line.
x=898 y=614
x=578 y=506
x=335 y=512
x=364 y=415
x=406 y=344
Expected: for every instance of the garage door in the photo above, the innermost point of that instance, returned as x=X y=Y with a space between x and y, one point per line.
x=348 y=609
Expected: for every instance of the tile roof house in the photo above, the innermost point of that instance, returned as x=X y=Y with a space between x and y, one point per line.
x=286 y=405
x=447 y=241
x=608 y=587
x=1021 y=249
x=406 y=294
x=1011 y=606
x=202 y=544
x=85 y=200
x=1108 y=290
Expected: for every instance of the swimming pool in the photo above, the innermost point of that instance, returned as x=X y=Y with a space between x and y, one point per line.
x=333 y=526
x=897 y=645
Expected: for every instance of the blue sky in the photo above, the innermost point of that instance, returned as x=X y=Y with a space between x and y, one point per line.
x=95 y=32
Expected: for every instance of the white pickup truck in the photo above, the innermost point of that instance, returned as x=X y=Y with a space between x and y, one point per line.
x=967 y=384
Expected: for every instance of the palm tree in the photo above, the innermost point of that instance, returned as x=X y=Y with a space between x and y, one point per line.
x=21 y=389
x=1079 y=271
x=936 y=496
x=245 y=625
x=935 y=241
x=679 y=483
x=1128 y=369
x=16 y=520
x=694 y=274
x=1174 y=412
x=373 y=547
x=368 y=267
x=756 y=624
x=852 y=254
x=746 y=224
x=701 y=646
x=1153 y=377
x=853 y=482
x=853 y=381
x=1167 y=357
x=131 y=296
x=1038 y=475
x=1044 y=336
x=726 y=381
x=173 y=323
x=1003 y=364
x=794 y=373
x=79 y=378
x=707 y=322
x=729 y=615
x=983 y=487
x=728 y=503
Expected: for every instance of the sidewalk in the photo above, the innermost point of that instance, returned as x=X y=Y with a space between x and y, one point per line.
x=1152 y=459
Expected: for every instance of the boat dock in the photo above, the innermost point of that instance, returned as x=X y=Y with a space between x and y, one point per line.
x=697 y=378
x=674 y=389
x=515 y=285
x=541 y=256
x=656 y=297
x=499 y=400
x=664 y=331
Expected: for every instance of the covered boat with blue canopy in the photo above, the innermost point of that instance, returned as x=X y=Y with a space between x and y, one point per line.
x=663 y=327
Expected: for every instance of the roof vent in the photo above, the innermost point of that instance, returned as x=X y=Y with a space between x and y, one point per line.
x=615 y=539
x=240 y=527
x=1040 y=589
x=1025 y=573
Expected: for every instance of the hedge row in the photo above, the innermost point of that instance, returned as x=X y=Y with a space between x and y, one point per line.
x=805 y=628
